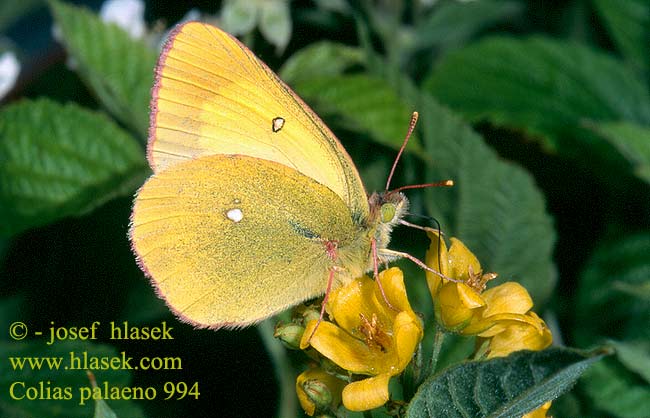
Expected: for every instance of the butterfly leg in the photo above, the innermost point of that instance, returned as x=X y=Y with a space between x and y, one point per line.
x=330 y=279
x=375 y=268
x=331 y=247
x=399 y=254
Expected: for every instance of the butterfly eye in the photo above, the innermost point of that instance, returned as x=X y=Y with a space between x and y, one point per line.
x=387 y=212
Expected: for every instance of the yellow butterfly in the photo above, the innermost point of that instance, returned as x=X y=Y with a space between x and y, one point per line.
x=254 y=205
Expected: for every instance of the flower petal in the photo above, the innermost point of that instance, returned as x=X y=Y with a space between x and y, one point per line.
x=461 y=259
x=363 y=296
x=469 y=297
x=453 y=313
x=509 y=297
x=520 y=336
x=392 y=281
x=436 y=258
x=349 y=302
x=407 y=334
x=495 y=324
x=366 y=394
x=343 y=349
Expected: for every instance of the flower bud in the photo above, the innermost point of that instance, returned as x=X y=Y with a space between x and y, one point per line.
x=290 y=334
x=318 y=391
x=310 y=315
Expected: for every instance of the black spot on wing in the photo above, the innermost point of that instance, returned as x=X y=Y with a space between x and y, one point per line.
x=303 y=231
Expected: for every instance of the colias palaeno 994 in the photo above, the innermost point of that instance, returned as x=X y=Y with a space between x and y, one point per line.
x=254 y=205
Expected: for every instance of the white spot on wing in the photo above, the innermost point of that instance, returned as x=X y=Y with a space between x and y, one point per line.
x=278 y=123
x=235 y=215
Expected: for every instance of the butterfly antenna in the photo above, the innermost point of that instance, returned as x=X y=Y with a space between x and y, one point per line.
x=445 y=183
x=414 y=120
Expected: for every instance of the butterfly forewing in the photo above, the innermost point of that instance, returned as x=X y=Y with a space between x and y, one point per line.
x=213 y=96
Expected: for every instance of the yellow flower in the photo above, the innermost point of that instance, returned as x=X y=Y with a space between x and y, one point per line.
x=370 y=337
x=501 y=313
x=317 y=391
x=459 y=302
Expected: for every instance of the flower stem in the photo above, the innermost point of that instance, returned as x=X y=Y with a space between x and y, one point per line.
x=283 y=370
x=418 y=373
x=438 y=339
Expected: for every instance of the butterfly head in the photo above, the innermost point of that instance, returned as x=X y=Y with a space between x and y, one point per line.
x=390 y=206
x=386 y=210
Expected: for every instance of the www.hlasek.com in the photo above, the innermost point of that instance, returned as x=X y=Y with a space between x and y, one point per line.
x=21 y=390
x=85 y=361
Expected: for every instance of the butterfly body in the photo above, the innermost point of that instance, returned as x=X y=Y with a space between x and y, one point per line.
x=253 y=204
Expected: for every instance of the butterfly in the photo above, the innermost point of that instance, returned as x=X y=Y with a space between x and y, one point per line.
x=254 y=205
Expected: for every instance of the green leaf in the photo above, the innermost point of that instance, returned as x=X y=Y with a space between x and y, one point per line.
x=102 y=410
x=453 y=23
x=239 y=16
x=9 y=305
x=501 y=387
x=58 y=161
x=628 y=22
x=339 y=6
x=567 y=405
x=320 y=59
x=545 y=86
x=615 y=390
x=641 y=292
x=631 y=140
x=607 y=308
x=275 y=23
x=635 y=355
x=69 y=380
x=12 y=11
x=495 y=208
x=604 y=308
x=118 y=68
x=142 y=305
x=365 y=104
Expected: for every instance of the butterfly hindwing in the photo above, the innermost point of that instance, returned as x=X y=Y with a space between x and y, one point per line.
x=230 y=240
